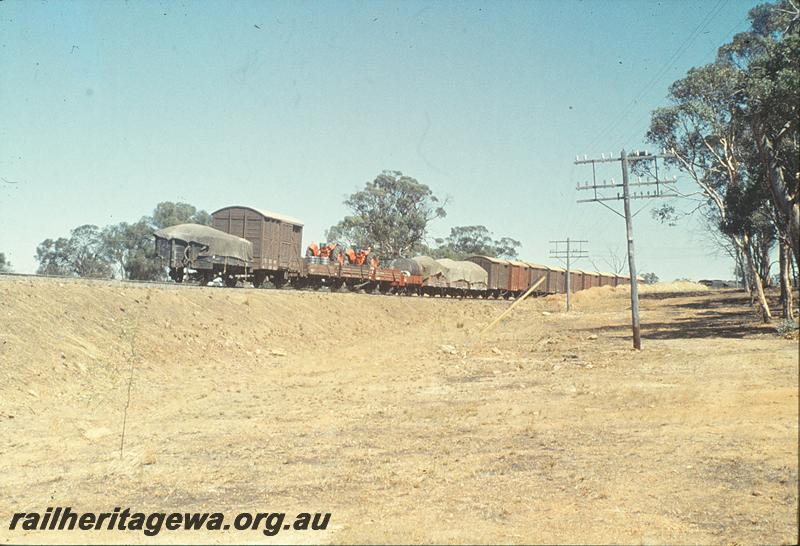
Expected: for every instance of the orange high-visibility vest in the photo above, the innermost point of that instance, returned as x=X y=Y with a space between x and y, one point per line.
x=326 y=250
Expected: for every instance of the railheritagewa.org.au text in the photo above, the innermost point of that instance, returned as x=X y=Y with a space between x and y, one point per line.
x=152 y=523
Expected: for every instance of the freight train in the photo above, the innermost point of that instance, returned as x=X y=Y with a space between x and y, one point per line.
x=252 y=245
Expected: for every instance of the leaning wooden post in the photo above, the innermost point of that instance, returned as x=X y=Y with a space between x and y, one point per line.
x=507 y=311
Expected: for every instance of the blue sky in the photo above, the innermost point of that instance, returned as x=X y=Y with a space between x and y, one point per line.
x=107 y=108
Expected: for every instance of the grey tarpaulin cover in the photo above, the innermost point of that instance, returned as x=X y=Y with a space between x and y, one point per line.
x=218 y=242
x=428 y=266
x=405 y=264
x=469 y=272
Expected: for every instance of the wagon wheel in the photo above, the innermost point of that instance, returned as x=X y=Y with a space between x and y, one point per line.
x=259 y=278
x=336 y=285
x=205 y=277
x=279 y=280
x=176 y=274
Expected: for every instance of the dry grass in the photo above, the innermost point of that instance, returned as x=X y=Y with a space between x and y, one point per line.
x=550 y=429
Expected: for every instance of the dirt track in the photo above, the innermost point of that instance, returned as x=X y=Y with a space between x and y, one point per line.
x=549 y=429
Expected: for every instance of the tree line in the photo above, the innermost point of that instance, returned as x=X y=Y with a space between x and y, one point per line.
x=732 y=127
x=392 y=215
x=124 y=250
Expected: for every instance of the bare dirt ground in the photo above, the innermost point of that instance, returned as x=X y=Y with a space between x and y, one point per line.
x=549 y=429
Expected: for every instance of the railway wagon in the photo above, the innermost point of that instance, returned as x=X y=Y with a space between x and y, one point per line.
x=435 y=281
x=406 y=265
x=204 y=251
x=557 y=280
x=591 y=279
x=536 y=272
x=550 y=285
x=518 y=276
x=370 y=279
x=463 y=276
x=276 y=239
x=499 y=273
x=431 y=272
x=625 y=279
x=607 y=279
x=575 y=279
x=583 y=281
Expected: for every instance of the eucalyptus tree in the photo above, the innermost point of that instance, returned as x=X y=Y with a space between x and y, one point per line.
x=732 y=127
x=391 y=214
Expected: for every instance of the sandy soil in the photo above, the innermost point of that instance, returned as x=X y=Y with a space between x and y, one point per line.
x=548 y=429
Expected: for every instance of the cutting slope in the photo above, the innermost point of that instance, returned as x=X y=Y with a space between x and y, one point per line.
x=395 y=416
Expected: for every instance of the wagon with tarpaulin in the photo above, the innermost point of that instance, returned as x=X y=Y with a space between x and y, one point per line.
x=203 y=252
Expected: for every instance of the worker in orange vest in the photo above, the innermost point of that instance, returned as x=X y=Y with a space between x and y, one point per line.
x=362 y=257
x=336 y=253
x=326 y=249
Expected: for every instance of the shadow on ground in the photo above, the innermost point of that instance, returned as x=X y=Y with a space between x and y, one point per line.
x=731 y=317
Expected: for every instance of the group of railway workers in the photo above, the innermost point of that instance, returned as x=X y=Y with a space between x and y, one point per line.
x=335 y=253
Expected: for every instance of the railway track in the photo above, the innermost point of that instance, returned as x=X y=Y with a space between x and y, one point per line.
x=170 y=285
x=90 y=280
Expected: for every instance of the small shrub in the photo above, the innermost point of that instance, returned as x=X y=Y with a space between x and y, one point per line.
x=787 y=327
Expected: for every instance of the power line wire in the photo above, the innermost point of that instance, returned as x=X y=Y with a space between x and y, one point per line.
x=728 y=36
x=681 y=49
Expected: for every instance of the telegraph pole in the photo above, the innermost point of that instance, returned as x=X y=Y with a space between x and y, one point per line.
x=626 y=199
x=567 y=254
x=637 y=332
